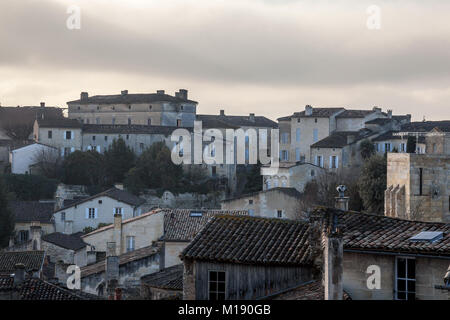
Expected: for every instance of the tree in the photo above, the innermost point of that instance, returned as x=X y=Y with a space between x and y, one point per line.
x=84 y=168
x=154 y=169
x=49 y=163
x=253 y=179
x=28 y=187
x=411 y=144
x=367 y=149
x=119 y=159
x=372 y=184
x=6 y=217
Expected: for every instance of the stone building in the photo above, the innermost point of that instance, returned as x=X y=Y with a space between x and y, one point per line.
x=166 y=284
x=158 y=109
x=418 y=187
x=290 y=175
x=26 y=159
x=272 y=203
x=100 y=208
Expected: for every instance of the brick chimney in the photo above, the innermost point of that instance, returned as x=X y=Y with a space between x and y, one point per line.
x=308 y=110
x=333 y=257
x=112 y=270
x=84 y=96
x=36 y=231
x=117 y=233
x=183 y=94
x=19 y=274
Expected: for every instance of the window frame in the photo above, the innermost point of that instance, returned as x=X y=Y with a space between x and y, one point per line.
x=217 y=282
x=406 y=279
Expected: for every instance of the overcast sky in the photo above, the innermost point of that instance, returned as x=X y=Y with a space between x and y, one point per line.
x=268 y=57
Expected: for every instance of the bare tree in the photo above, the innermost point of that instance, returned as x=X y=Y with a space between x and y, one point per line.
x=49 y=162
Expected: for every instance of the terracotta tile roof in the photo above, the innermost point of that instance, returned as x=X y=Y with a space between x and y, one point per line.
x=28 y=211
x=114 y=193
x=123 y=259
x=252 y=240
x=180 y=225
x=66 y=241
x=368 y=232
x=37 y=289
x=235 y=121
x=33 y=260
x=313 y=290
x=130 y=98
x=169 y=278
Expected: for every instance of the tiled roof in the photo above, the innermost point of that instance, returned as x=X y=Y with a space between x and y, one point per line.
x=319 y=112
x=370 y=232
x=287 y=191
x=114 y=193
x=123 y=259
x=66 y=241
x=28 y=211
x=59 y=123
x=235 y=121
x=33 y=260
x=313 y=290
x=130 y=98
x=179 y=225
x=129 y=129
x=354 y=113
x=252 y=240
x=425 y=126
x=390 y=136
x=169 y=278
x=28 y=114
x=338 y=139
x=37 y=289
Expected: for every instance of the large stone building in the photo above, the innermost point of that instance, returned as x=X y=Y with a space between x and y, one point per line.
x=157 y=108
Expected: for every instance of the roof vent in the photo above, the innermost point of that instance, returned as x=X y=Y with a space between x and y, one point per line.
x=427 y=236
x=196 y=214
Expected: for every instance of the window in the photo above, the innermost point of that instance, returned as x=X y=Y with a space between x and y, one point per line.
x=106 y=138
x=319 y=161
x=68 y=135
x=279 y=213
x=130 y=243
x=405 y=282
x=179 y=123
x=149 y=121
x=315 y=135
x=87 y=121
x=298 y=120
x=91 y=213
x=97 y=120
x=216 y=285
x=333 y=162
x=313 y=173
x=387 y=147
x=297 y=135
x=24 y=235
x=284 y=155
x=118 y=211
x=284 y=137
x=50 y=134
x=214 y=171
x=93 y=138
x=129 y=107
x=315 y=120
x=250 y=201
x=129 y=121
x=403 y=147
x=268 y=184
x=63 y=216
x=113 y=120
x=128 y=136
x=251 y=212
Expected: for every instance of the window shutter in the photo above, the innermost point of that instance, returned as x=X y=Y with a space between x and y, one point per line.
x=331 y=161
x=72 y=149
x=62 y=152
x=72 y=135
x=337 y=161
x=64 y=135
x=96 y=213
x=87 y=213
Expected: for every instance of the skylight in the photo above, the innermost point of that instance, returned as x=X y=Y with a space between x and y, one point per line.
x=196 y=214
x=427 y=236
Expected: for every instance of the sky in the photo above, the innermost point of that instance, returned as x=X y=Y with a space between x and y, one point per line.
x=268 y=57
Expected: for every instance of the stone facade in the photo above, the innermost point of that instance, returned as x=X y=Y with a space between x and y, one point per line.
x=290 y=175
x=418 y=187
x=172 y=250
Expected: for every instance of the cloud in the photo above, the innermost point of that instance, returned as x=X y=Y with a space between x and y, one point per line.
x=316 y=48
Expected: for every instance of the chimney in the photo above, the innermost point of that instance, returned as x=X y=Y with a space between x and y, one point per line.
x=68 y=227
x=36 y=230
x=84 y=96
x=112 y=270
x=117 y=233
x=333 y=257
x=251 y=117
x=160 y=92
x=389 y=114
x=376 y=109
x=19 y=274
x=42 y=104
x=308 y=110
x=91 y=257
x=341 y=202
x=59 y=203
x=124 y=92
x=183 y=94
x=222 y=112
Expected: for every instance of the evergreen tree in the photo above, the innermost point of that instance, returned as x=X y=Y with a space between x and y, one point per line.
x=367 y=149
x=372 y=184
x=411 y=145
x=119 y=159
x=84 y=168
x=6 y=217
